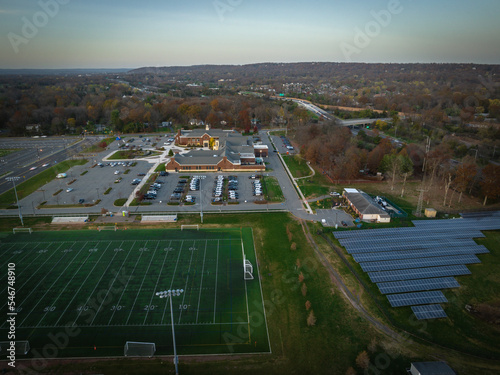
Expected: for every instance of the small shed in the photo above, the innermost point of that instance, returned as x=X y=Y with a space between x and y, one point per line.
x=431 y=368
x=430 y=212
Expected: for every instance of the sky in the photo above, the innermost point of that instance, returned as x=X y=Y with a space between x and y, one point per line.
x=130 y=34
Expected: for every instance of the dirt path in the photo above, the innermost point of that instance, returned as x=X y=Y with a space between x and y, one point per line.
x=337 y=280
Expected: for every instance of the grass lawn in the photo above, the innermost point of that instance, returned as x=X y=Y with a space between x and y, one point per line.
x=272 y=189
x=160 y=167
x=7 y=152
x=31 y=185
x=298 y=166
x=315 y=186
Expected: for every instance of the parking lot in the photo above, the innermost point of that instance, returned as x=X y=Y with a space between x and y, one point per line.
x=90 y=182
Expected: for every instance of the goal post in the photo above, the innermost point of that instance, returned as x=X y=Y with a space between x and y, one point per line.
x=190 y=226
x=247 y=265
x=139 y=349
x=107 y=227
x=20 y=230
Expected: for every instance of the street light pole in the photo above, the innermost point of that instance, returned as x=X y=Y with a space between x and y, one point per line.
x=201 y=202
x=170 y=293
x=14 y=179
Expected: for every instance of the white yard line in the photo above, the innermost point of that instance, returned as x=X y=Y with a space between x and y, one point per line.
x=172 y=281
x=68 y=283
x=41 y=280
x=201 y=283
x=83 y=283
x=157 y=281
x=187 y=280
x=18 y=275
x=95 y=287
x=111 y=285
x=142 y=283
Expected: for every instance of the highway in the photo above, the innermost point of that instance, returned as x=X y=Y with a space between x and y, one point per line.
x=34 y=154
x=328 y=116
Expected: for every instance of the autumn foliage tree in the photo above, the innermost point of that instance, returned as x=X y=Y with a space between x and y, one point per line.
x=363 y=360
x=464 y=175
x=490 y=185
x=311 y=319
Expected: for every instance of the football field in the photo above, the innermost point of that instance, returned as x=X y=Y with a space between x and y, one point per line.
x=86 y=293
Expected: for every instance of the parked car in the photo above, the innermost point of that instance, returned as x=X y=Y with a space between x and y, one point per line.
x=69 y=190
x=81 y=200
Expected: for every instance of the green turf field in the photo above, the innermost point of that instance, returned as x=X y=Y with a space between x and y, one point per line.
x=86 y=293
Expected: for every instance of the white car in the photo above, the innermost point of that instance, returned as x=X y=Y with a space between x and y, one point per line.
x=117 y=172
x=46 y=165
x=33 y=168
x=69 y=190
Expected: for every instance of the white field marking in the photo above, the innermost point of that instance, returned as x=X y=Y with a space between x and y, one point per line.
x=21 y=272
x=201 y=283
x=3 y=255
x=142 y=283
x=125 y=287
x=95 y=287
x=216 y=274
x=53 y=303
x=157 y=281
x=248 y=314
x=261 y=293
x=34 y=273
x=172 y=281
x=83 y=283
x=36 y=287
x=110 y=285
x=141 y=325
x=187 y=280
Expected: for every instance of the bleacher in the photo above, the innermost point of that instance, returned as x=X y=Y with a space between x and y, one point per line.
x=159 y=219
x=69 y=219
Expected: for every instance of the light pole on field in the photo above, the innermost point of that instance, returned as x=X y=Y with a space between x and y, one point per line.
x=14 y=179
x=170 y=293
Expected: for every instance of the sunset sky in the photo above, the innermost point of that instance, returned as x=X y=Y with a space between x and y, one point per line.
x=130 y=34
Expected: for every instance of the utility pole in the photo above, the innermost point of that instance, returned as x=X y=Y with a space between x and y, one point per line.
x=14 y=179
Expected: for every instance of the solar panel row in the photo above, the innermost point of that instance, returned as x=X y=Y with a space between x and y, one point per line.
x=419 y=253
x=419 y=298
x=434 y=226
x=429 y=312
x=417 y=285
x=419 y=273
x=389 y=246
x=419 y=262
x=414 y=236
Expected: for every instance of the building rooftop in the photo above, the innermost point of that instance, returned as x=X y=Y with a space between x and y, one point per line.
x=433 y=368
x=364 y=203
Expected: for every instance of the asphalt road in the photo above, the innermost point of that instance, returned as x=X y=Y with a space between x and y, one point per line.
x=36 y=153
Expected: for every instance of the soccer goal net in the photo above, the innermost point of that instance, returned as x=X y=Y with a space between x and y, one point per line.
x=247 y=266
x=192 y=227
x=18 y=230
x=139 y=349
x=107 y=227
x=20 y=347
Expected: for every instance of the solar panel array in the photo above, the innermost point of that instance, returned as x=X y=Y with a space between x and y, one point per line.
x=417 y=273
x=409 y=265
x=417 y=285
x=420 y=298
x=429 y=312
